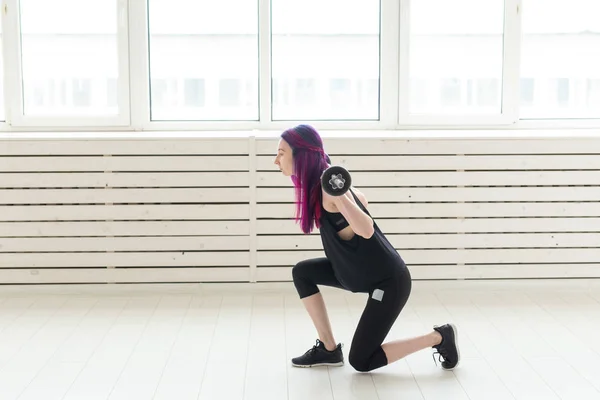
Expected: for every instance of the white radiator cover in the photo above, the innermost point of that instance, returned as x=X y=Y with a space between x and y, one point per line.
x=197 y=209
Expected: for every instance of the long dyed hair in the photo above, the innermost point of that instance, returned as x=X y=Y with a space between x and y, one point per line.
x=310 y=160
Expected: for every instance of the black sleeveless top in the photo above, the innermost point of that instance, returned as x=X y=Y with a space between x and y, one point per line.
x=359 y=264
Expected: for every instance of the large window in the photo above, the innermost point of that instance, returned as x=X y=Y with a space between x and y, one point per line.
x=560 y=70
x=325 y=59
x=69 y=58
x=456 y=57
x=244 y=65
x=203 y=60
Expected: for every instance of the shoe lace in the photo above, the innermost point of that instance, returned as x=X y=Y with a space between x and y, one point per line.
x=314 y=348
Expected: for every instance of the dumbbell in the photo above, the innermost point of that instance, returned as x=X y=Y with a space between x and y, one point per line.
x=336 y=180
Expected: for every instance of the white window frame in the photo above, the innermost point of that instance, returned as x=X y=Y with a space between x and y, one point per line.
x=13 y=78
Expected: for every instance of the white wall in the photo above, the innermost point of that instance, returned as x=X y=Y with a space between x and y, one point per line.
x=183 y=207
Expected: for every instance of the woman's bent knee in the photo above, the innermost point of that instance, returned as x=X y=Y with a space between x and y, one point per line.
x=302 y=280
x=299 y=271
x=361 y=365
x=307 y=274
x=367 y=362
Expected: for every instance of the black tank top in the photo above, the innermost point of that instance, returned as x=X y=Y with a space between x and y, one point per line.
x=359 y=264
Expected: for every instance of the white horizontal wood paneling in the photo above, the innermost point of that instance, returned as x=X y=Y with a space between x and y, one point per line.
x=454 y=208
x=453 y=178
x=105 y=210
x=447 y=241
x=484 y=271
x=456 y=256
x=125 y=259
x=187 y=209
x=112 y=163
x=454 y=194
x=145 y=243
x=459 y=162
x=83 y=144
x=477 y=143
x=124 y=275
x=122 y=228
x=129 y=195
x=126 y=212
x=124 y=179
x=456 y=225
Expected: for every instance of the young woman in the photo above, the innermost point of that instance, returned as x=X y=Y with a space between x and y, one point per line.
x=358 y=258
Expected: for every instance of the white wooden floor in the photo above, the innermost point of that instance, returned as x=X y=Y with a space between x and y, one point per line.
x=519 y=340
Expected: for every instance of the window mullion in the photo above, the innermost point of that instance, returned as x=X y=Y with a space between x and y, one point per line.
x=123 y=79
x=403 y=61
x=389 y=67
x=264 y=61
x=511 y=60
x=139 y=82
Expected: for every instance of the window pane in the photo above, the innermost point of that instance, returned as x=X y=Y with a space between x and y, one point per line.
x=324 y=63
x=69 y=58
x=560 y=59
x=455 y=61
x=203 y=59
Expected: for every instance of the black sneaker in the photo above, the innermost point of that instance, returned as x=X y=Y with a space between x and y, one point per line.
x=318 y=355
x=448 y=348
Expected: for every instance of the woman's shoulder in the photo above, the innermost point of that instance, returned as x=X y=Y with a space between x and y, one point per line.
x=329 y=205
x=361 y=196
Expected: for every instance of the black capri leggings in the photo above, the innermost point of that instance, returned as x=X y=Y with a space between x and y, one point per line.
x=378 y=317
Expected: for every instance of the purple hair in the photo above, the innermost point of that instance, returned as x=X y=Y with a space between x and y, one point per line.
x=310 y=160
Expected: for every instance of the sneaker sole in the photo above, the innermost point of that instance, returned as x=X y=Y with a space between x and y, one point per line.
x=455 y=345
x=338 y=364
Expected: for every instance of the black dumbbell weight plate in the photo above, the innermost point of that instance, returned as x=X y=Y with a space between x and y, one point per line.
x=336 y=180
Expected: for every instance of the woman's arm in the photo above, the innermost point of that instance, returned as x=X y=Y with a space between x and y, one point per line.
x=360 y=222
